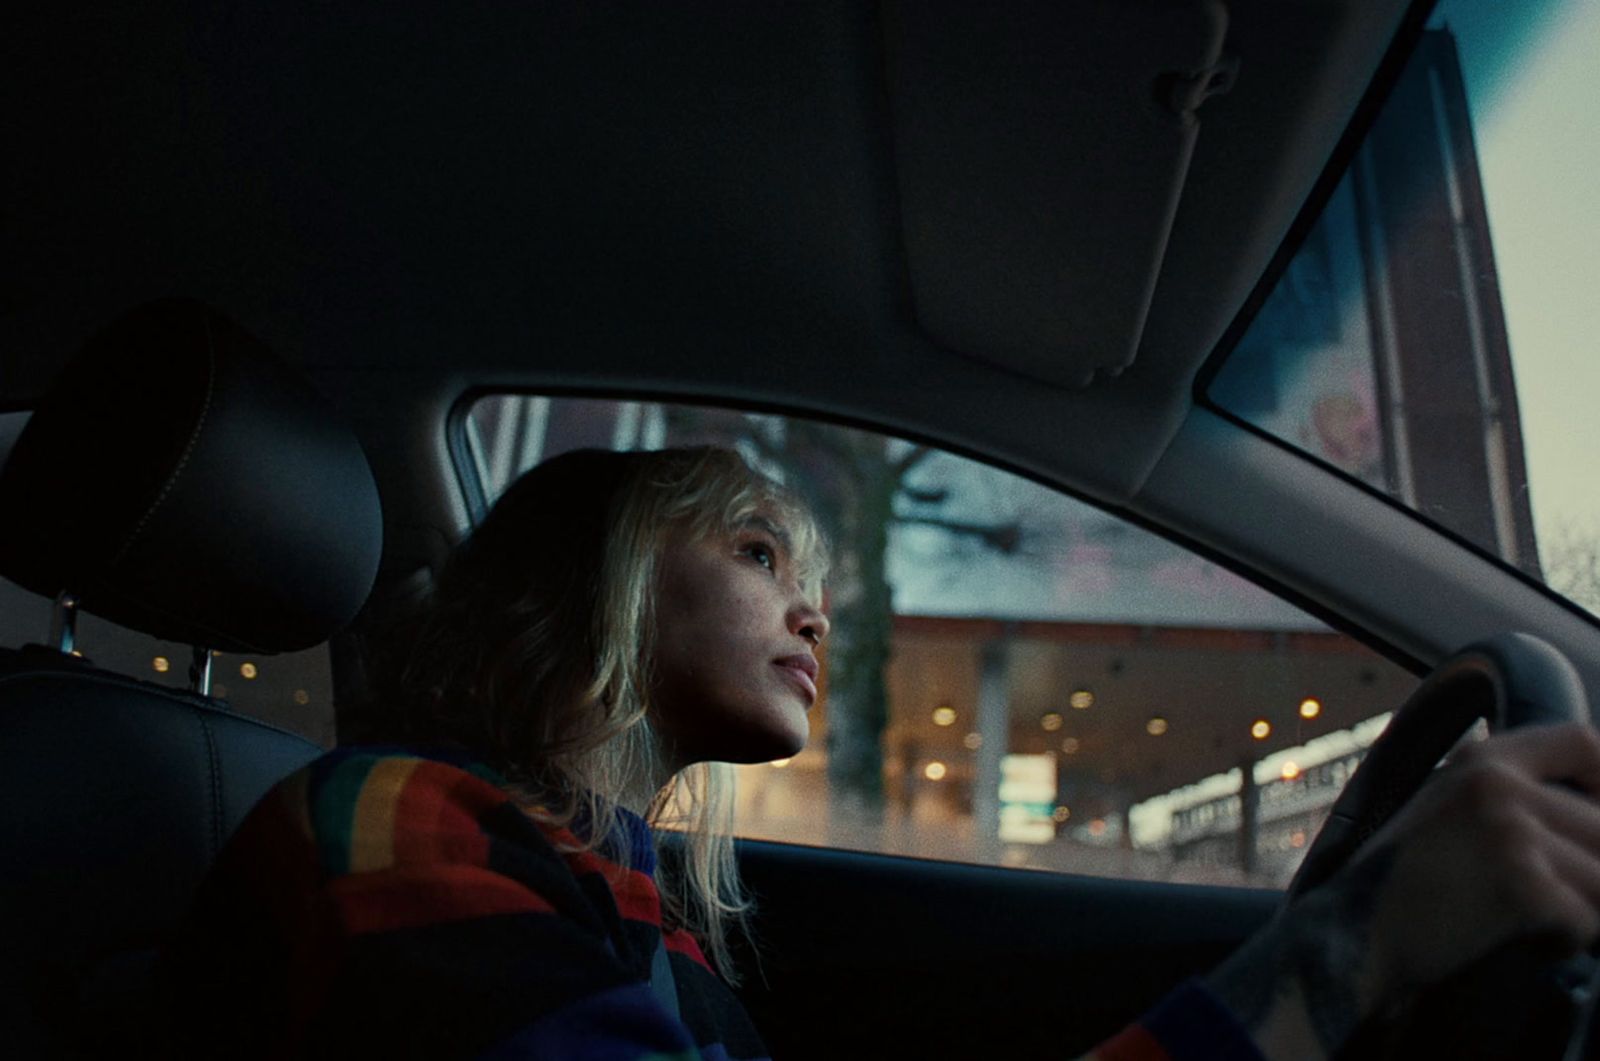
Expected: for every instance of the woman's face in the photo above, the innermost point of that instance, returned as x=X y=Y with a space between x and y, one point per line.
x=736 y=637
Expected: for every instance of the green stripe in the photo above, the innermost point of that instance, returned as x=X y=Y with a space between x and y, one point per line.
x=484 y=773
x=333 y=811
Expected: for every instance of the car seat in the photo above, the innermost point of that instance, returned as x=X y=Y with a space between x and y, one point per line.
x=179 y=481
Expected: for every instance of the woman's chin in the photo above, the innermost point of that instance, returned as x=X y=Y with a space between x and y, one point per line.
x=783 y=740
x=791 y=748
x=745 y=738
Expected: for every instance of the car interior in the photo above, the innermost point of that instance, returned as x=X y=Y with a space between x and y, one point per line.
x=264 y=257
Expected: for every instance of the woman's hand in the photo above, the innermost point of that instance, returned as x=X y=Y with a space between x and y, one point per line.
x=1501 y=845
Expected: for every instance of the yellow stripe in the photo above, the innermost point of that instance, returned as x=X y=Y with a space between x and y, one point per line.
x=372 y=838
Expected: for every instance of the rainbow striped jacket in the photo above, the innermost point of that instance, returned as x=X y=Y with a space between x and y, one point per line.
x=392 y=903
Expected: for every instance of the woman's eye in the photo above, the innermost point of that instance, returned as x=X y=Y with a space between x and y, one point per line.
x=761 y=554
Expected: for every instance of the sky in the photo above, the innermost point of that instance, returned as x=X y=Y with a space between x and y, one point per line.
x=1531 y=84
x=1532 y=70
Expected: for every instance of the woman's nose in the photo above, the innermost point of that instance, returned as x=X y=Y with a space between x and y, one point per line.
x=808 y=621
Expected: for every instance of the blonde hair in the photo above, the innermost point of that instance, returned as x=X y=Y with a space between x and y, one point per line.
x=535 y=654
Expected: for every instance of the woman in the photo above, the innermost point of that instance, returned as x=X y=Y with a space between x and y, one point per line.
x=618 y=626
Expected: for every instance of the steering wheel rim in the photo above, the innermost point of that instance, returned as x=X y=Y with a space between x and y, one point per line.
x=1510 y=680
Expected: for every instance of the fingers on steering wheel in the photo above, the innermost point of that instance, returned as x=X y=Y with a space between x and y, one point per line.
x=1567 y=813
x=1536 y=783
x=1567 y=912
x=1567 y=752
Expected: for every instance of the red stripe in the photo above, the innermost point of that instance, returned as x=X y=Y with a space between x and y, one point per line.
x=587 y=861
x=415 y=897
x=562 y=839
x=635 y=893
x=438 y=813
x=679 y=940
x=273 y=833
x=1133 y=1043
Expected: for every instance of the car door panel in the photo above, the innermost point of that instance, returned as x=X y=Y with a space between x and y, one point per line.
x=873 y=955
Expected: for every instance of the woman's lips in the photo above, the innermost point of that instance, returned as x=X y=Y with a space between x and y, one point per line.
x=802 y=670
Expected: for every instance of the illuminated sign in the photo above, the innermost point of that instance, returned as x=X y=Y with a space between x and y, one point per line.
x=1027 y=799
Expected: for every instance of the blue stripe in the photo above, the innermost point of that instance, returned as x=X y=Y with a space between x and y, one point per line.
x=621 y=1024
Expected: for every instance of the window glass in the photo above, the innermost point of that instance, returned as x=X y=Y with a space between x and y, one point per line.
x=1434 y=335
x=1013 y=676
x=293 y=690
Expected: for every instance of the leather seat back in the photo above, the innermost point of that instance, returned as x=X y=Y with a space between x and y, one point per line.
x=227 y=506
x=118 y=796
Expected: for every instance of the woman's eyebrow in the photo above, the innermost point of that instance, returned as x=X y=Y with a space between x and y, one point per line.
x=762 y=523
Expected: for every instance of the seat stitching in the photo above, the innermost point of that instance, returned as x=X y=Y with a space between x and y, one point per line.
x=188 y=449
x=214 y=773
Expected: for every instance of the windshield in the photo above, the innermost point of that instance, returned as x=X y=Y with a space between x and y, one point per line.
x=1433 y=335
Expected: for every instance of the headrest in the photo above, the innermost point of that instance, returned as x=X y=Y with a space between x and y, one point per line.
x=183 y=482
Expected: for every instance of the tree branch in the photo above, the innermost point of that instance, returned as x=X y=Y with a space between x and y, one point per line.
x=930 y=496
x=764 y=446
x=824 y=438
x=1004 y=538
x=915 y=457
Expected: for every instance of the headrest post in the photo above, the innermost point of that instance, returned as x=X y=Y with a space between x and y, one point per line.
x=64 y=622
x=200 y=670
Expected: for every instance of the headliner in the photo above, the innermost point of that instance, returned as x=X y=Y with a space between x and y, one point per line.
x=875 y=214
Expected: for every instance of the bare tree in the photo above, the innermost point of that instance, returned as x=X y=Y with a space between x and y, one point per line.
x=1571 y=560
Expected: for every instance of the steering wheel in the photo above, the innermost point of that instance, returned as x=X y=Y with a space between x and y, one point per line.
x=1510 y=680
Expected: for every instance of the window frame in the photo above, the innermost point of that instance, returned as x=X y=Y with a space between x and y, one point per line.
x=468 y=465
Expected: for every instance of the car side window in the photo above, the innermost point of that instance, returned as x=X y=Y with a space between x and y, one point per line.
x=1016 y=677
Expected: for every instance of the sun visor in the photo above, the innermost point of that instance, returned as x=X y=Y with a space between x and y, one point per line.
x=1040 y=149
